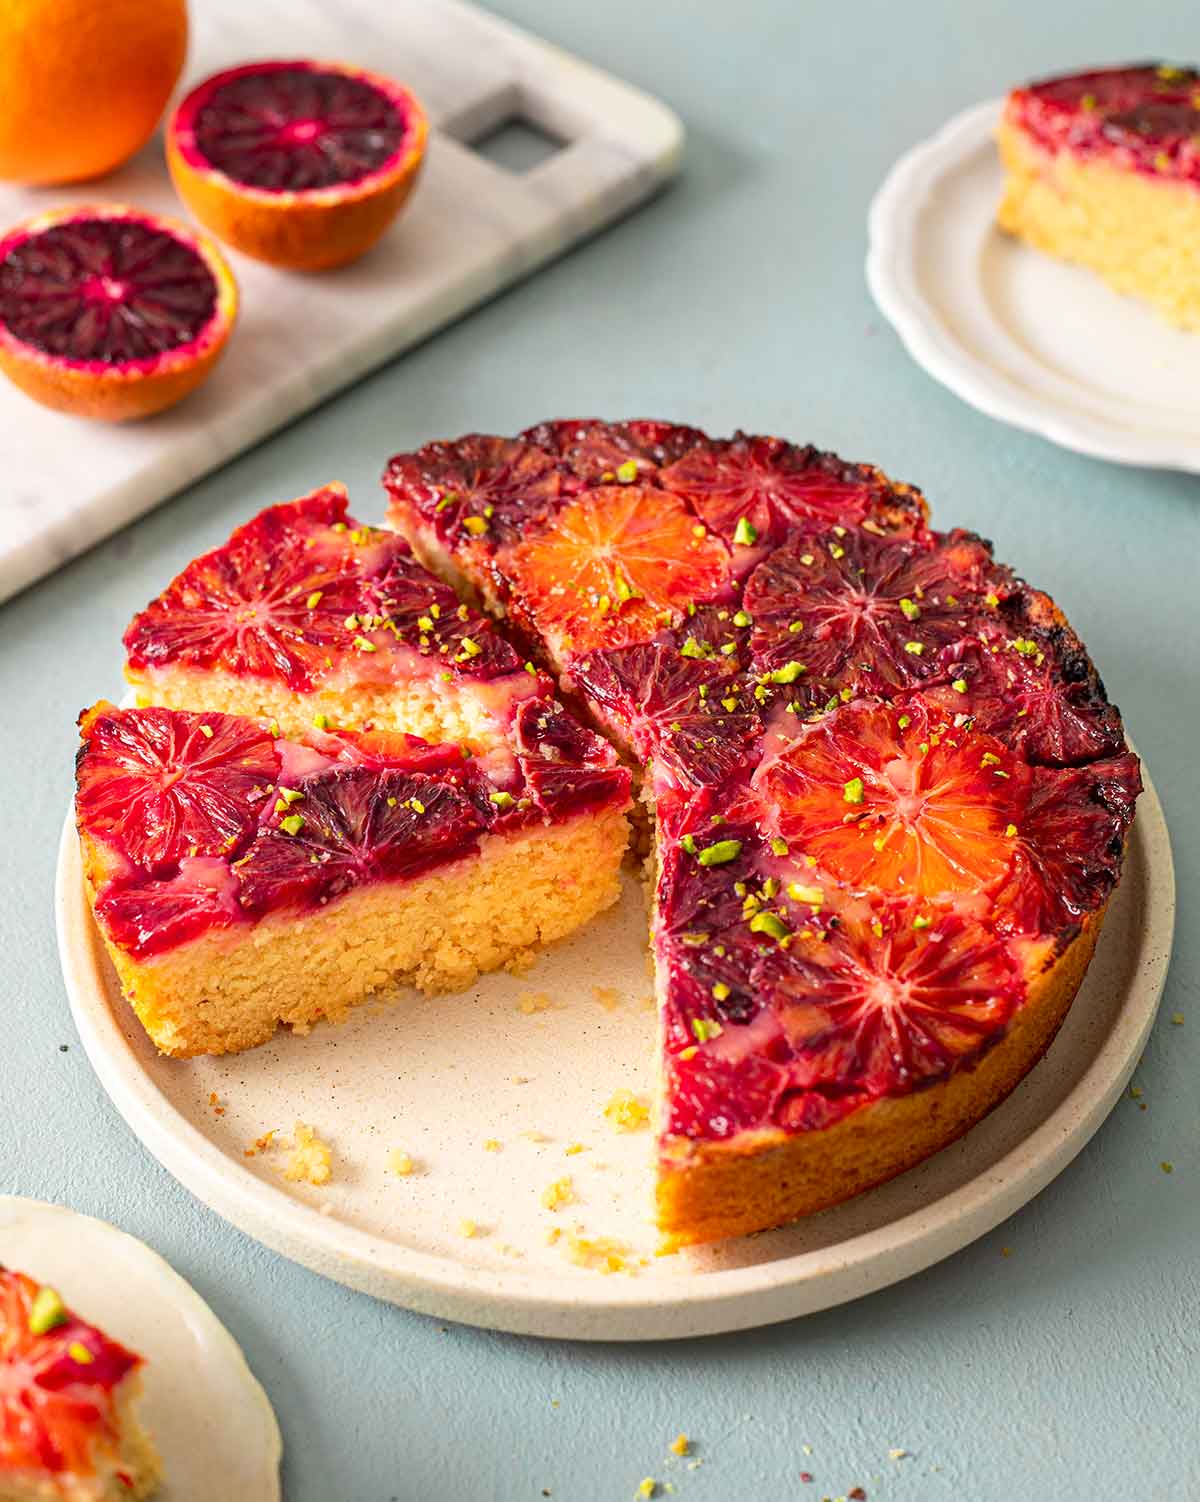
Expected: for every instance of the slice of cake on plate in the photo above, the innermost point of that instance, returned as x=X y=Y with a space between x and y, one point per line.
x=68 y=1426
x=241 y=879
x=1103 y=169
x=891 y=797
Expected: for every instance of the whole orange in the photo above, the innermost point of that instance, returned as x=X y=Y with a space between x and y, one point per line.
x=83 y=82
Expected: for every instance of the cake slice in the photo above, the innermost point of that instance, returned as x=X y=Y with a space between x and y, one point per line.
x=68 y=1426
x=305 y=616
x=241 y=879
x=891 y=797
x=1103 y=168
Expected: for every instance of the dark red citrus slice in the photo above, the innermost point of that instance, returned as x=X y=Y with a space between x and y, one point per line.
x=146 y=916
x=56 y=1409
x=157 y=785
x=872 y=612
x=424 y=613
x=476 y=488
x=111 y=313
x=350 y=826
x=751 y=489
x=880 y=1004
x=613 y=566
x=894 y=797
x=699 y=724
x=565 y=766
x=301 y=164
x=1068 y=845
x=596 y=451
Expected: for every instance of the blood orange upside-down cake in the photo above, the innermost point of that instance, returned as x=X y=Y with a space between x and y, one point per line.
x=890 y=796
x=68 y=1430
x=263 y=838
x=1103 y=168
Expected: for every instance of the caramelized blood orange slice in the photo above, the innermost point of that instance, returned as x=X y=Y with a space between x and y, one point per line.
x=350 y=825
x=111 y=313
x=477 y=487
x=871 y=611
x=56 y=1411
x=302 y=164
x=894 y=797
x=157 y=785
x=767 y=487
x=613 y=566
x=1069 y=844
x=880 y=1005
x=565 y=765
x=698 y=723
x=147 y=917
x=596 y=450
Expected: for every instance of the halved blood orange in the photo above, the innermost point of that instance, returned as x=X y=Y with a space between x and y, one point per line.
x=895 y=797
x=58 y=1403
x=759 y=489
x=612 y=567
x=302 y=164
x=109 y=312
x=867 y=610
x=879 y=1004
x=159 y=785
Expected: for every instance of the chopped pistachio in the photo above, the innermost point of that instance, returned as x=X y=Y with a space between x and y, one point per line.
x=475 y=525
x=627 y=473
x=364 y=645
x=691 y=648
x=915 y=647
x=704 y=1028
x=742 y=618
x=721 y=853
x=321 y=721
x=921 y=921
x=80 y=1354
x=788 y=673
x=852 y=791
x=769 y=923
x=47 y=1311
x=813 y=896
x=959 y=685
x=503 y=801
x=720 y=991
x=293 y=824
x=314 y=599
x=745 y=534
x=910 y=610
x=470 y=647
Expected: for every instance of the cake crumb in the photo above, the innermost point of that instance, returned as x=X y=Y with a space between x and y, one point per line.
x=1006 y=1251
x=1167 y=1167
x=530 y=1002
x=648 y=1487
x=1135 y=1092
x=261 y=1144
x=1177 y=1019
x=520 y=1079
x=680 y=1445
x=399 y=1162
x=311 y=1160
x=468 y=1228
x=573 y=1149
x=493 y=1145
x=535 y=1136
x=898 y=1454
x=607 y=997
x=561 y=1192
x=599 y=1253
x=214 y=1101
x=627 y=1112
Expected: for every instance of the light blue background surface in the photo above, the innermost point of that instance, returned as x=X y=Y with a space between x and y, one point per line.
x=1067 y=1369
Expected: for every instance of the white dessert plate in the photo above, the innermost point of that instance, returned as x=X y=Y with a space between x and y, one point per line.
x=499 y=1092
x=207 y=1413
x=1025 y=338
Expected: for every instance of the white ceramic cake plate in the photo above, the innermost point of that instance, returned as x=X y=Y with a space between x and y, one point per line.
x=207 y=1414
x=1025 y=338
x=438 y=1078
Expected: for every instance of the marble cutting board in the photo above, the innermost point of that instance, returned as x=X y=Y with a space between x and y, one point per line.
x=473 y=227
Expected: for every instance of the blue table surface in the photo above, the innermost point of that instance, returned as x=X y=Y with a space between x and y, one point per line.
x=1066 y=1368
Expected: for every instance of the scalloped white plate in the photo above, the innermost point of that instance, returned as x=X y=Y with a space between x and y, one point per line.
x=439 y=1076
x=210 y=1419
x=1025 y=338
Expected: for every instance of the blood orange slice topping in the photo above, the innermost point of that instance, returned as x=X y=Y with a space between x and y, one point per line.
x=612 y=567
x=683 y=711
x=350 y=826
x=880 y=1005
x=874 y=612
x=896 y=798
x=58 y=1377
x=565 y=765
x=146 y=916
x=107 y=291
x=760 y=489
x=596 y=450
x=157 y=785
x=476 y=489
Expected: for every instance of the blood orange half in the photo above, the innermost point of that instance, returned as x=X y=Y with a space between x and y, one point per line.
x=301 y=164
x=111 y=313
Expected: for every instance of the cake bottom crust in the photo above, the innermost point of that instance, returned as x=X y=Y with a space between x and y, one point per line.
x=712 y=1190
x=1139 y=233
x=230 y=989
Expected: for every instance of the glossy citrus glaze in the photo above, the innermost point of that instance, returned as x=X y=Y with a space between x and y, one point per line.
x=887 y=780
x=1145 y=118
x=57 y=1389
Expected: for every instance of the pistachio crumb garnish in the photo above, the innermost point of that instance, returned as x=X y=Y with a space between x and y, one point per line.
x=47 y=1311
x=852 y=791
x=720 y=853
x=704 y=1028
x=745 y=534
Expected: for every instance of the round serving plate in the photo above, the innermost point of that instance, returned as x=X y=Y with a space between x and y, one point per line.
x=1025 y=338
x=498 y=1093
x=206 y=1412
